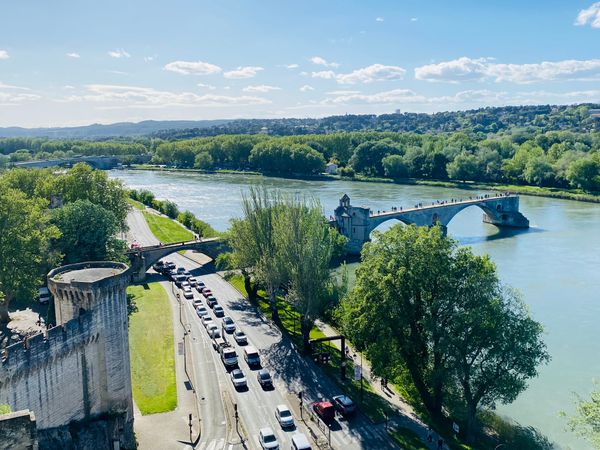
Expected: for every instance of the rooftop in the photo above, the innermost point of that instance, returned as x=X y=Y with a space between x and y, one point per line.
x=89 y=275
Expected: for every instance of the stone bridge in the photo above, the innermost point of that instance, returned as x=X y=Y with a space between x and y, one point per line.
x=142 y=258
x=357 y=222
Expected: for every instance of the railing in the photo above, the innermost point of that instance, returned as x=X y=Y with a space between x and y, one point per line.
x=322 y=426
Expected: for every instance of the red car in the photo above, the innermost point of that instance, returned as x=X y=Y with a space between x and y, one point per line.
x=325 y=411
x=206 y=292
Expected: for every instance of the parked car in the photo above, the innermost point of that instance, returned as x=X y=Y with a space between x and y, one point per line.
x=238 y=378
x=228 y=324
x=44 y=295
x=325 y=410
x=218 y=310
x=201 y=311
x=344 y=405
x=240 y=337
x=264 y=379
x=251 y=356
x=213 y=331
x=267 y=439
x=284 y=416
x=211 y=301
x=206 y=320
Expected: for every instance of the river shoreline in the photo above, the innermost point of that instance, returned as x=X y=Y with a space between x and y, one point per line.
x=534 y=191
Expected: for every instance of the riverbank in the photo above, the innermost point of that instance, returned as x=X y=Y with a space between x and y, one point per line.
x=536 y=191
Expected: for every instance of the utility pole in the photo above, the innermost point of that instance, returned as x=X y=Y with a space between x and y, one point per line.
x=190 y=425
x=301 y=404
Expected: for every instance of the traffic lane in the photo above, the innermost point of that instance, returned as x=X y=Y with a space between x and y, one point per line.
x=139 y=230
x=255 y=405
x=291 y=372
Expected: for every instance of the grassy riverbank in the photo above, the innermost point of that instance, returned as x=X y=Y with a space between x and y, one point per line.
x=167 y=230
x=565 y=194
x=151 y=350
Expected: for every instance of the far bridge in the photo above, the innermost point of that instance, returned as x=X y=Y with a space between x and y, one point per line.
x=357 y=222
x=142 y=258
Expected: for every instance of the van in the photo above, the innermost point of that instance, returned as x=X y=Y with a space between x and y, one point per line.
x=44 y=295
x=251 y=356
x=229 y=357
x=300 y=442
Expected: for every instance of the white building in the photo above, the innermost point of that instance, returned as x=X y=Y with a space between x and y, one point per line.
x=331 y=169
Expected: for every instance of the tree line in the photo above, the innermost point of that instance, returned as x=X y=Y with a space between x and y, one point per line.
x=49 y=218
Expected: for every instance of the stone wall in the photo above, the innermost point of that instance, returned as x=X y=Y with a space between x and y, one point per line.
x=77 y=373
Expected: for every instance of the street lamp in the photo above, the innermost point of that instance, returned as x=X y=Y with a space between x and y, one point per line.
x=190 y=425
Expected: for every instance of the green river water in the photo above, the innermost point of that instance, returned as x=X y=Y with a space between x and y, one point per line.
x=555 y=264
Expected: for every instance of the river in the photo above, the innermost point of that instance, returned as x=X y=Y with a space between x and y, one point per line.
x=555 y=264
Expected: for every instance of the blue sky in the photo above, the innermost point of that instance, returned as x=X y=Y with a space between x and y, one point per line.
x=79 y=62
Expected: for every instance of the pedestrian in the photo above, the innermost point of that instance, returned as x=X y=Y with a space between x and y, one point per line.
x=429 y=436
x=440 y=444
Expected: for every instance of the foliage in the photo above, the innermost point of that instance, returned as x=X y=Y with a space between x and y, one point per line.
x=280 y=156
x=25 y=236
x=87 y=233
x=151 y=350
x=394 y=166
x=4 y=409
x=424 y=307
x=407 y=439
x=586 y=420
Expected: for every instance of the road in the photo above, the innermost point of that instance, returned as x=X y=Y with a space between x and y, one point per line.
x=291 y=373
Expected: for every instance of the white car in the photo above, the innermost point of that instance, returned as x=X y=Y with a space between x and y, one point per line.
x=188 y=294
x=240 y=337
x=239 y=380
x=228 y=324
x=207 y=320
x=213 y=331
x=267 y=439
x=284 y=416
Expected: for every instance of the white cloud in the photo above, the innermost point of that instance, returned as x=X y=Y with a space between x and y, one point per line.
x=11 y=95
x=414 y=19
x=323 y=62
x=589 y=16
x=192 y=68
x=210 y=87
x=324 y=74
x=306 y=88
x=374 y=72
x=243 y=72
x=379 y=19
x=261 y=88
x=4 y=54
x=142 y=97
x=468 y=69
x=395 y=96
x=342 y=92
x=291 y=66
x=119 y=53
x=74 y=55
x=149 y=58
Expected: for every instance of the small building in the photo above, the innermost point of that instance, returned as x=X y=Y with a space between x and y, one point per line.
x=595 y=113
x=331 y=169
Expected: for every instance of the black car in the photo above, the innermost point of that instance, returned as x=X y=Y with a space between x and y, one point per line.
x=211 y=301
x=264 y=379
x=344 y=405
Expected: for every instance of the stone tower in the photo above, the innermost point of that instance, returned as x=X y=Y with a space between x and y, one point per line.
x=96 y=290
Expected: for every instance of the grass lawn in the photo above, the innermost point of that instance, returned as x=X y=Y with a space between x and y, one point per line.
x=166 y=230
x=407 y=439
x=151 y=350
x=136 y=204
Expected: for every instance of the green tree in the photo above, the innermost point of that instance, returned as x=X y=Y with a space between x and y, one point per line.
x=464 y=167
x=394 y=166
x=368 y=156
x=424 y=306
x=87 y=233
x=538 y=171
x=25 y=235
x=307 y=244
x=586 y=421
x=203 y=161
x=584 y=173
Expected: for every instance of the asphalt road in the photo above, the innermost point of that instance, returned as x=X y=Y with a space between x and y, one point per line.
x=291 y=373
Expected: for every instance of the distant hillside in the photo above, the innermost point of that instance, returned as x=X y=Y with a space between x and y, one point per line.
x=124 y=129
x=486 y=120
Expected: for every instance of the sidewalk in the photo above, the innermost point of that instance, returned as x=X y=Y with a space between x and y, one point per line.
x=406 y=417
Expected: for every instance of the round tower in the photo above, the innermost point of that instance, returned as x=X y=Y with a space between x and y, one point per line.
x=97 y=290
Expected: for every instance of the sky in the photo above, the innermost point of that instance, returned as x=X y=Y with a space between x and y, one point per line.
x=67 y=63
